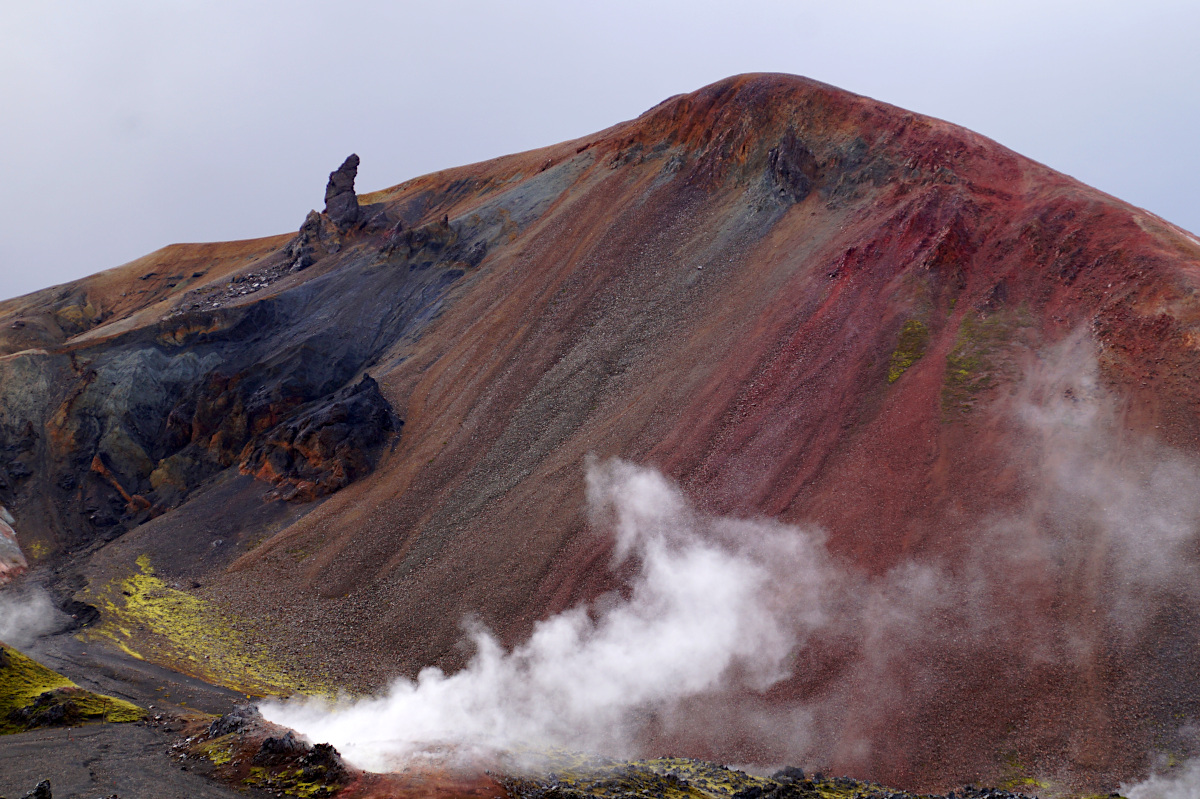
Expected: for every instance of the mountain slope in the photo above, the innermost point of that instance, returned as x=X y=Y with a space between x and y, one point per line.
x=795 y=302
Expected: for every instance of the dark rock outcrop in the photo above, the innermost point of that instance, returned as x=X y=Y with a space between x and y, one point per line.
x=50 y=709
x=341 y=203
x=317 y=238
x=125 y=428
x=792 y=167
x=325 y=445
x=436 y=242
x=281 y=749
x=235 y=720
x=270 y=758
x=40 y=791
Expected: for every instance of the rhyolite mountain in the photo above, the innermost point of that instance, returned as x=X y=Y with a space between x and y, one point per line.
x=795 y=302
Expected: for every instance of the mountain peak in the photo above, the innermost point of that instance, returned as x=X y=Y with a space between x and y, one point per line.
x=960 y=380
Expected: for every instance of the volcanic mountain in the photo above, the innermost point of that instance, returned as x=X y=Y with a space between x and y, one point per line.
x=301 y=462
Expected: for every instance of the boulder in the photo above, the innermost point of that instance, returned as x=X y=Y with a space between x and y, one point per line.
x=324 y=445
x=41 y=791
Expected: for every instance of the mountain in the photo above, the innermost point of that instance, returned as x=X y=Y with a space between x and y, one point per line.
x=972 y=379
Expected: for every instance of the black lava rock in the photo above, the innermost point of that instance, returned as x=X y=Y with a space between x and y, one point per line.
x=42 y=791
x=285 y=748
x=793 y=168
x=341 y=203
x=235 y=720
x=322 y=764
x=326 y=444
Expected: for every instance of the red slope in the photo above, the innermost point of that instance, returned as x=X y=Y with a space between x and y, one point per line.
x=667 y=323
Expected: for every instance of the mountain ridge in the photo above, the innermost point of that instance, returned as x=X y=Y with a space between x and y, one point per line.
x=794 y=302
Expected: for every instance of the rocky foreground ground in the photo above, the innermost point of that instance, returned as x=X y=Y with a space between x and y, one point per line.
x=160 y=734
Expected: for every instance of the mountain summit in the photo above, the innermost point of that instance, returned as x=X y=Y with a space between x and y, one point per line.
x=971 y=378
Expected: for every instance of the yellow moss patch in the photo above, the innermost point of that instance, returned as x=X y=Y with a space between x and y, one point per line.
x=78 y=316
x=914 y=337
x=148 y=619
x=290 y=782
x=107 y=707
x=23 y=679
x=976 y=360
x=1016 y=775
x=574 y=776
x=44 y=695
x=218 y=751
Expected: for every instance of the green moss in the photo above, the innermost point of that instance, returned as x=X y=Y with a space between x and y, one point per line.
x=914 y=337
x=669 y=778
x=1018 y=780
x=974 y=363
x=22 y=679
x=148 y=619
x=579 y=777
x=109 y=708
x=291 y=782
x=32 y=696
x=218 y=751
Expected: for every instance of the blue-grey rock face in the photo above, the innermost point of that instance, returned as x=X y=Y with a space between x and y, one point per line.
x=260 y=375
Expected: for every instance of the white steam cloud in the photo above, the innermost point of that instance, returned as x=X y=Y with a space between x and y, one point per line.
x=746 y=639
x=1182 y=782
x=705 y=612
x=25 y=616
x=719 y=612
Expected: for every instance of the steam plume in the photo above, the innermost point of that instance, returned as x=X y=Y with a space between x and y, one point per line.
x=702 y=614
x=747 y=639
x=1181 y=783
x=25 y=616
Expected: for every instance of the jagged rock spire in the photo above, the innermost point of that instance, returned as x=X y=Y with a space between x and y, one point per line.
x=341 y=203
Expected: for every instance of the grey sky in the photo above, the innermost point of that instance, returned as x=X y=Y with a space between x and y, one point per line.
x=131 y=124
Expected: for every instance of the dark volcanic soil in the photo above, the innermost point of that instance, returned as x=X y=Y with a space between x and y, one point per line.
x=130 y=760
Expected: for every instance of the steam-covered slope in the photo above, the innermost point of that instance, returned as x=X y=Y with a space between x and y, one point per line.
x=978 y=376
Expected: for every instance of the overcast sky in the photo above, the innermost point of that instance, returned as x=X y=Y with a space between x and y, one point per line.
x=131 y=124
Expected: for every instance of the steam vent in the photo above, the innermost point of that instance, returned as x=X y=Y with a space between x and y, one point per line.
x=775 y=427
